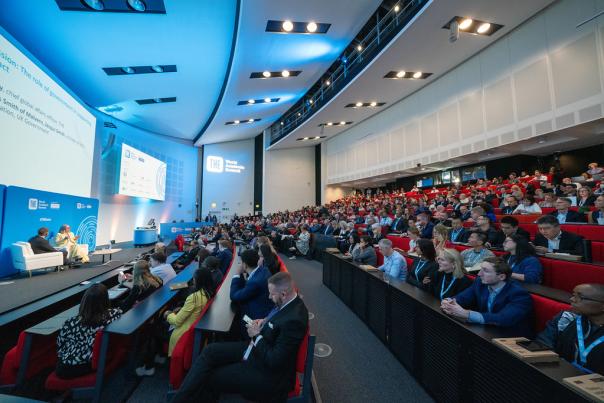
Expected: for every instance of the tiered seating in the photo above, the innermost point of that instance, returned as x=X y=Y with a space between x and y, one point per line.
x=27 y=358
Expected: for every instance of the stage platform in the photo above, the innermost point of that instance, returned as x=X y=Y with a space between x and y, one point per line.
x=22 y=291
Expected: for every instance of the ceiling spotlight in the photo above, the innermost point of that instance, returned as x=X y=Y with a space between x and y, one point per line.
x=285 y=73
x=157 y=100
x=310 y=101
x=311 y=27
x=397 y=8
x=299 y=114
x=157 y=69
x=417 y=74
x=288 y=25
x=358 y=104
x=373 y=103
x=251 y=101
x=267 y=100
x=282 y=123
x=266 y=74
x=128 y=70
x=329 y=123
x=236 y=122
x=317 y=137
x=465 y=24
x=95 y=4
x=359 y=48
x=250 y=120
x=137 y=5
x=401 y=74
x=305 y=138
x=342 y=123
x=483 y=28
x=327 y=83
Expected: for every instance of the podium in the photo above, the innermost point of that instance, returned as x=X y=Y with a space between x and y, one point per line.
x=144 y=236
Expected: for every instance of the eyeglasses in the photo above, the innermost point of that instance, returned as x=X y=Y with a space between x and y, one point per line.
x=579 y=297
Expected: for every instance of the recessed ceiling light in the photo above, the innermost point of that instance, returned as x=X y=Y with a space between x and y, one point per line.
x=299 y=114
x=483 y=28
x=266 y=74
x=305 y=138
x=359 y=47
x=397 y=8
x=373 y=103
x=128 y=70
x=267 y=100
x=236 y=122
x=342 y=123
x=285 y=73
x=358 y=104
x=250 y=120
x=310 y=101
x=401 y=74
x=327 y=82
x=317 y=137
x=137 y=5
x=329 y=123
x=97 y=5
x=251 y=101
x=282 y=123
x=465 y=24
x=311 y=27
x=157 y=69
x=417 y=74
x=287 y=25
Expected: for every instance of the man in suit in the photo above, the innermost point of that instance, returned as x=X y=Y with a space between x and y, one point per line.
x=315 y=227
x=494 y=300
x=224 y=254
x=251 y=294
x=552 y=239
x=425 y=225
x=509 y=226
x=263 y=369
x=39 y=244
x=510 y=205
x=495 y=237
x=458 y=233
x=563 y=214
x=399 y=224
x=329 y=228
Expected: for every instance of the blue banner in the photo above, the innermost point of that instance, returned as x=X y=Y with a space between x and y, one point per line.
x=26 y=210
x=2 y=190
x=169 y=230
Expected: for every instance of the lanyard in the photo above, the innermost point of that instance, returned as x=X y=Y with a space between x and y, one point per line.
x=444 y=292
x=455 y=233
x=584 y=352
x=512 y=265
x=419 y=268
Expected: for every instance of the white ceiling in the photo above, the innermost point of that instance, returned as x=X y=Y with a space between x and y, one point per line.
x=422 y=46
x=257 y=50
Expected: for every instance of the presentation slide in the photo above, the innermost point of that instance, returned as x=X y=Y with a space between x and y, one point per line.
x=47 y=139
x=228 y=178
x=141 y=175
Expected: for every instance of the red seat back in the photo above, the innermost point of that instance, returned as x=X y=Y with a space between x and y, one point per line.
x=597 y=252
x=399 y=242
x=545 y=309
x=566 y=275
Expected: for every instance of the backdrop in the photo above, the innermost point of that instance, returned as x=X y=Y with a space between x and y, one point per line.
x=26 y=210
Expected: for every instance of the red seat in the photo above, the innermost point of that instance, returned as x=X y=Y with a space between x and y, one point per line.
x=304 y=361
x=565 y=275
x=399 y=242
x=380 y=257
x=42 y=355
x=546 y=309
x=597 y=251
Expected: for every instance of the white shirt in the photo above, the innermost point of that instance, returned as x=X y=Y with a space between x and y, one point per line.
x=554 y=244
x=164 y=271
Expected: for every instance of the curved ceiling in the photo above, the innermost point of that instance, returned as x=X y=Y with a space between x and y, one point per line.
x=257 y=50
x=422 y=46
x=196 y=36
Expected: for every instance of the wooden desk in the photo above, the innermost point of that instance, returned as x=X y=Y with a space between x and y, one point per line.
x=104 y=252
x=454 y=361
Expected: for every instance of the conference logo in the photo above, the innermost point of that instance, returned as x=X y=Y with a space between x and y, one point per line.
x=87 y=232
x=215 y=164
x=33 y=204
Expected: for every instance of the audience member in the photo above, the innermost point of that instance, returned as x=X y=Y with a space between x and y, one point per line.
x=263 y=369
x=597 y=216
x=563 y=214
x=365 y=253
x=425 y=226
x=509 y=226
x=552 y=239
x=143 y=284
x=494 y=237
x=39 y=244
x=394 y=265
x=76 y=337
x=268 y=259
x=578 y=335
x=160 y=268
x=527 y=206
x=478 y=252
x=440 y=236
x=494 y=300
x=399 y=224
x=251 y=293
x=425 y=266
x=586 y=199
x=224 y=254
x=450 y=279
x=212 y=263
x=521 y=258
x=458 y=233
x=414 y=236
x=511 y=203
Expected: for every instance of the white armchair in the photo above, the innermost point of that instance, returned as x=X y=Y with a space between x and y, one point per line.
x=25 y=259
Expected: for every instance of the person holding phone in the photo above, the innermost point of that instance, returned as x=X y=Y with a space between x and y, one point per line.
x=578 y=335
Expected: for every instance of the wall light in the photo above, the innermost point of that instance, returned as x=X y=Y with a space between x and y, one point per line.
x=465 y=24
x=296 y=27
x=238 y=121
x=266 y=74
x=341 y=123
x=401 y=74
x=474 y=26
x=311 y=27
x=287 y=25
x=417 y=74
x=275 y=74
x=406 y=75
x=285 y=73
x=483 y=28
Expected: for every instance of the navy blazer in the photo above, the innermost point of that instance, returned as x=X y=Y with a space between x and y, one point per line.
x=253 y=294
x=225 y=257
x=571 y=216
x=427 y=231
x=512 y=308
x=328 y=230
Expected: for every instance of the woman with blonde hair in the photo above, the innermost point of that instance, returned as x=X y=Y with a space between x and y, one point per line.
x=440 y=237
x=143 y=284
x=451 y=278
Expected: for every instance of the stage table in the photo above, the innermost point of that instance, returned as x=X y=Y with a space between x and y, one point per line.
x=454 y=361
x=144 y=236
x=104 y=252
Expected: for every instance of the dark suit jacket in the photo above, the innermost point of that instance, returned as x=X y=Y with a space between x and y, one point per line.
x=569 y=243
x=225 y=257
x=277 y=351
x=327 y=231
x=571 y=216
x=427 y=231
x=523 y=233
x=512 y=308
x=462 y=236
x=399 y=225
x=253 y=294
x=40 y=245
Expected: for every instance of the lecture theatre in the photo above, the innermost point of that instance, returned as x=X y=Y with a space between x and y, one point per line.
x=340 y=201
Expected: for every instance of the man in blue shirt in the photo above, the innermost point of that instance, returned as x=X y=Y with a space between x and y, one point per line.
x=493 y=299
x=395 y=264
x=251 y=294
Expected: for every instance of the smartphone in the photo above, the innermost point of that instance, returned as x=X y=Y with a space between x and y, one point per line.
x=533 y=345
x=247 y=319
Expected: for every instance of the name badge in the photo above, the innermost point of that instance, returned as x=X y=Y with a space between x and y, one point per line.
x=270 y=325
